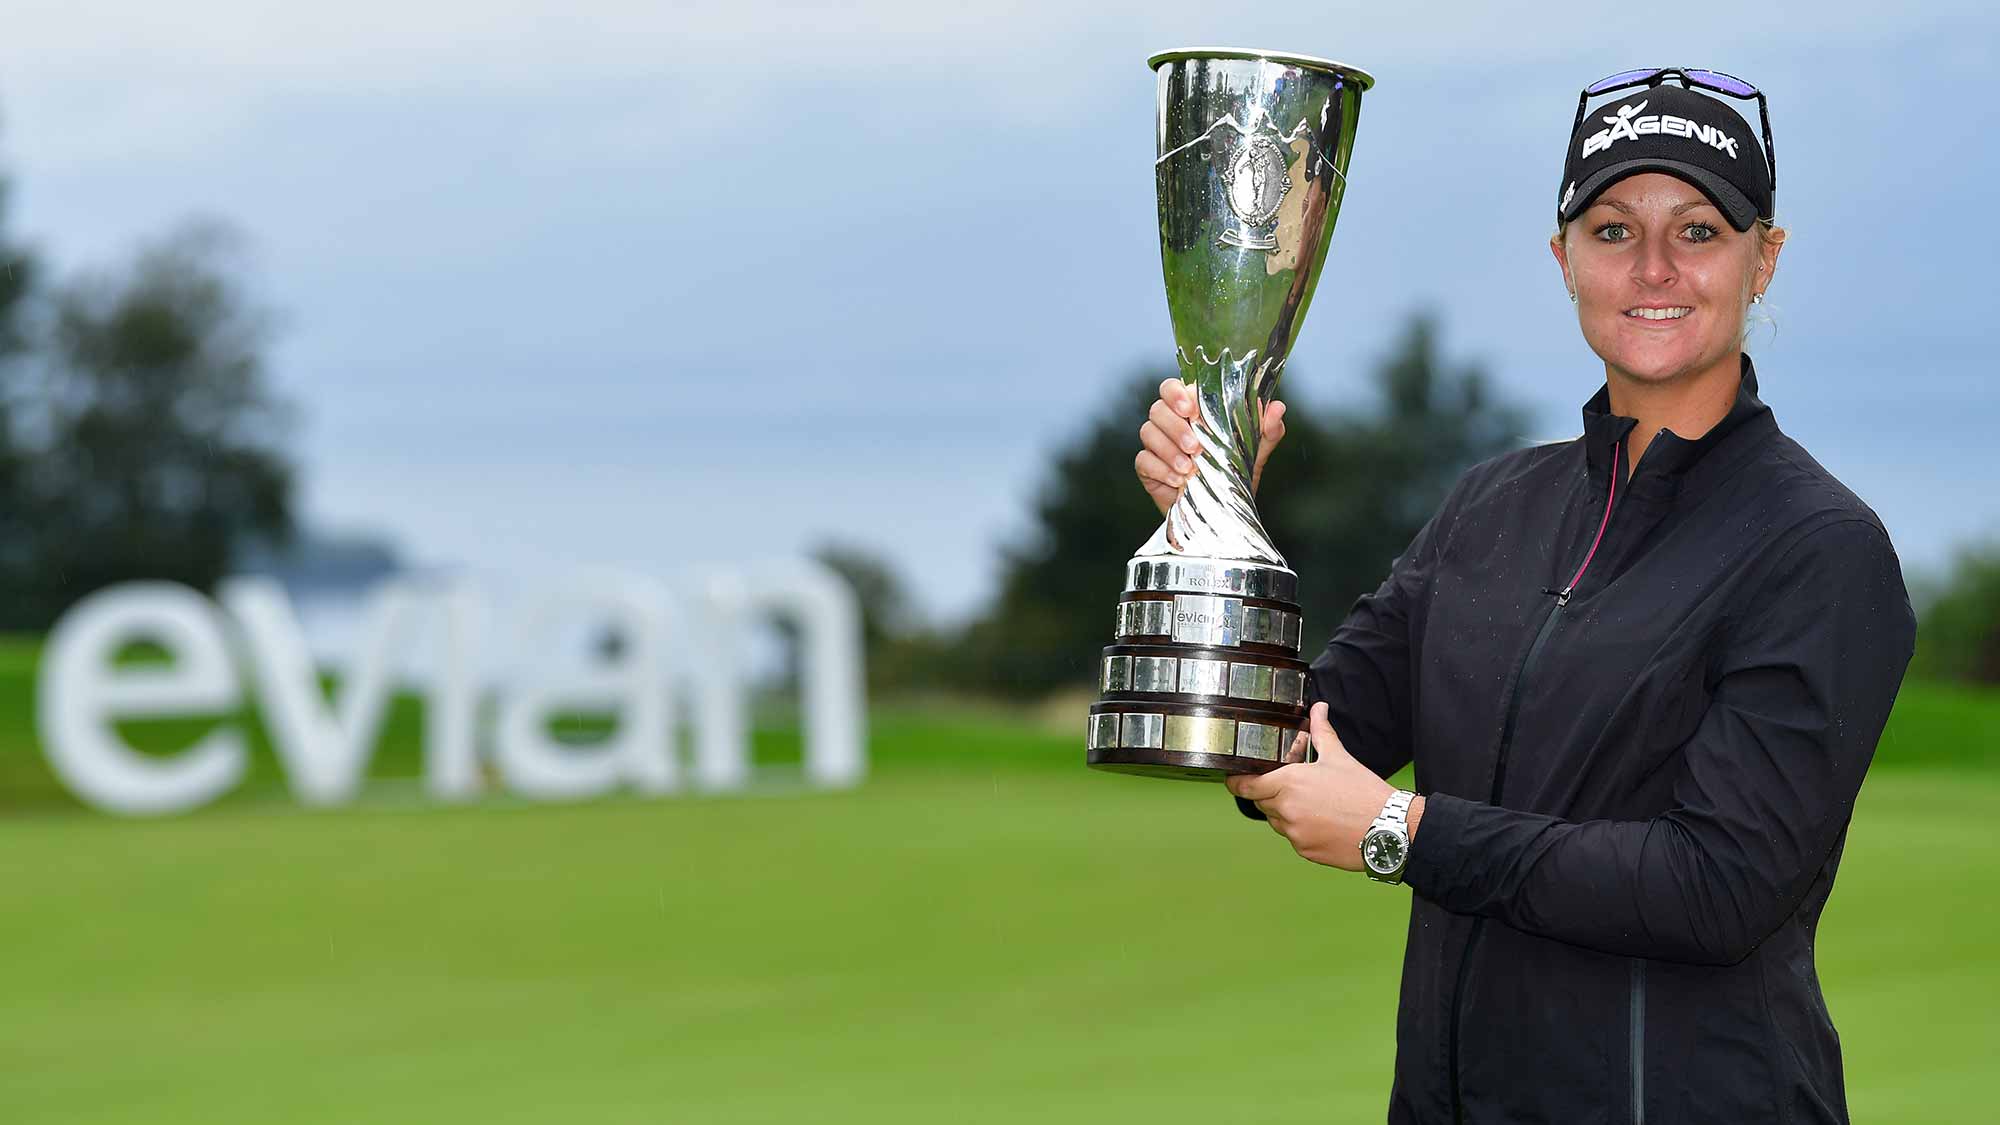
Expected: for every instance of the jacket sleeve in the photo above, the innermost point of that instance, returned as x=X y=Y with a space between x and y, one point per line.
x=1806 y=679
x=1363 y=674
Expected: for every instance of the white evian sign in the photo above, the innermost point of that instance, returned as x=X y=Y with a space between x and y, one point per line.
x=249 y=644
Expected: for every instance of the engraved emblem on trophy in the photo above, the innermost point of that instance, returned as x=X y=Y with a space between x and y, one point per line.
x=1257 y=182
x=1204 y=677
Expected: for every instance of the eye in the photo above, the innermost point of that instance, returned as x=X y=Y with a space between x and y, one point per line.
x=1701 y=232
x=1611 y=232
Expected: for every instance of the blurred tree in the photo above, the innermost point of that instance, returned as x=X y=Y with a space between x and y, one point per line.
x=1959 y=635
x=150 y=442
x=1344 y=501
x=887 y=609
x=901 y=654
x=18 y=274
x=1058 y=587
x=17 y=277
x=1342 y=496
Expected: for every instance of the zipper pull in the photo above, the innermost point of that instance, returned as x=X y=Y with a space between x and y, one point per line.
x=1562 y=596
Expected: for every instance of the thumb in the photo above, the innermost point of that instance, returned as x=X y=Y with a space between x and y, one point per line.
x=1274 y=422
x=1324 y=739
x=1317 y=718
x=1271 y=431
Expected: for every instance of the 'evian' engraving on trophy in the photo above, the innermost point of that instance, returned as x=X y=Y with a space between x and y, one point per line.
x=1204 y=619
x=1255 y=184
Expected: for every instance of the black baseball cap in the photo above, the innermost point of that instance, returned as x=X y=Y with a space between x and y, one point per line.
x=1673 y=130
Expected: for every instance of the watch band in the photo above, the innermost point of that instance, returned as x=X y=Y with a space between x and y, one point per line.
x=1394 y=819
x=1396 y=811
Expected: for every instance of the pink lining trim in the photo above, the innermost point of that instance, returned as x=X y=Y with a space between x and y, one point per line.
x=1601 y=523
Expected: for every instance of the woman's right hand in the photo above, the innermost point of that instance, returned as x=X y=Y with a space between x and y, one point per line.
x=1169 y=447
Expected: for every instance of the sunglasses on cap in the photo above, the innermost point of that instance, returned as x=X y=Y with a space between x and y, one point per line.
x=1713 y=80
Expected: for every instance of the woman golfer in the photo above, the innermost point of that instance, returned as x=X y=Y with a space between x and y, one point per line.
x=1640 y=674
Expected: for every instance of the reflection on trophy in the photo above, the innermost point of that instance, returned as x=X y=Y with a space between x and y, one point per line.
x=1205 y=678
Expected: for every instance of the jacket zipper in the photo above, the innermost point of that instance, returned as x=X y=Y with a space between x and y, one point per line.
x=1638 y=1041
x=1500 y=764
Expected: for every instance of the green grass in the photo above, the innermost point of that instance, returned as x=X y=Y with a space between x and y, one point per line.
x=1949 y=725
x=983 y=932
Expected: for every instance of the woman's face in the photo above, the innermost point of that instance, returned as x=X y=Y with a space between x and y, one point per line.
x=1662 y=281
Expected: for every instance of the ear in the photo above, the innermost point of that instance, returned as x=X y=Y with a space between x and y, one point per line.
x=1767 y=259
x=1562 y=260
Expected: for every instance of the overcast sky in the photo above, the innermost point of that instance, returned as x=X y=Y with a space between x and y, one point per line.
x=672 y=285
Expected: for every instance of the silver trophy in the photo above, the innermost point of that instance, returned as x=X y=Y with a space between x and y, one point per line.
x=1205 y=678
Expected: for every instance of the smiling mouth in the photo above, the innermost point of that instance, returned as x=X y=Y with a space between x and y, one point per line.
x=1658 y=314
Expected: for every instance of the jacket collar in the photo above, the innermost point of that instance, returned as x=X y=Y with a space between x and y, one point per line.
x=1671 y=457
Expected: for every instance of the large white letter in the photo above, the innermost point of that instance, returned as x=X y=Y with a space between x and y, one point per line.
x=830 y=647
x=325 y=751
x=80 y=695
x=831 y=667
x=822 y=607
x=722 y=726
x=632 y=683
x=451 y=706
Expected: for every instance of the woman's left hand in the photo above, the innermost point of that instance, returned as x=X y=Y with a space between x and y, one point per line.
x=1324 y=807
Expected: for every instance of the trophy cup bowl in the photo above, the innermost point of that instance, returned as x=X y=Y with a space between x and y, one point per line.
x=1205 y=678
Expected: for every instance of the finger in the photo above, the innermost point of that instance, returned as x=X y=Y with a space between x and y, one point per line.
x=1273 y=432
x=1259 y=786
x=1161 y=445
x=1155 y=475
x=1157 y=481
x=1300 y=748
x=1174 y=426
x=1179 y=396
x=1274 y=424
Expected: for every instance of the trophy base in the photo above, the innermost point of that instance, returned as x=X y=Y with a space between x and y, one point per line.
x=1205 y=680
x=1176 y=765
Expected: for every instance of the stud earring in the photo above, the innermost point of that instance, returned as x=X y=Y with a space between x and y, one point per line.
x=1572 y=296
x=1756 y=298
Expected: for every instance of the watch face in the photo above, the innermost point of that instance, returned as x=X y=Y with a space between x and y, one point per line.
x=1383 y=851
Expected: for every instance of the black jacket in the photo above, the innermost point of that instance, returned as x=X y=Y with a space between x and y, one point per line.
x=1640 y=719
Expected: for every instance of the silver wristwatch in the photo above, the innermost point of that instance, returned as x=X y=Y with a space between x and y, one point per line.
x=1385 y=847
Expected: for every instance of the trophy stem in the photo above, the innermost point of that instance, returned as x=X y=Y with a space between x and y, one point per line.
x=1194 y=529
x=1215 y=516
